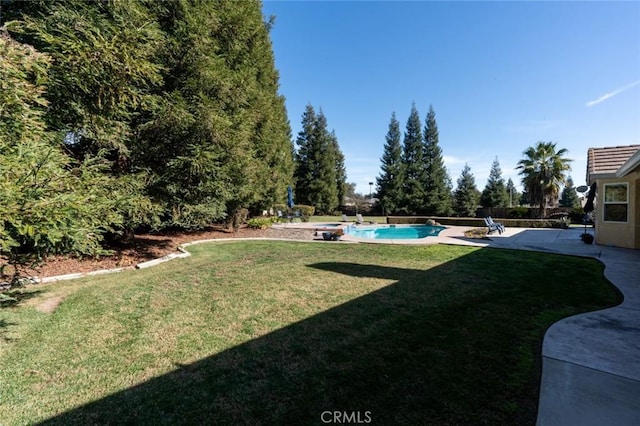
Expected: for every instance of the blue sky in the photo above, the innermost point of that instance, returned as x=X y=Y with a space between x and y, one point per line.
x=500 y=76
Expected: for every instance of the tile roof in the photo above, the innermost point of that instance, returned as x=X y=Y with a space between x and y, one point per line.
x=609 y=159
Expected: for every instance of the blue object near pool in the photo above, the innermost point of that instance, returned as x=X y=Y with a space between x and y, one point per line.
x=393 y=232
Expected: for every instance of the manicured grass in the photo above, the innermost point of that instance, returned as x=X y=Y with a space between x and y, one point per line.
x=260 y=332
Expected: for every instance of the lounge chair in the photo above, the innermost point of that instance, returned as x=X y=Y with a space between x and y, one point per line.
x=492 y=226
x=498 y=224
x=345 y=218
x=360 y=220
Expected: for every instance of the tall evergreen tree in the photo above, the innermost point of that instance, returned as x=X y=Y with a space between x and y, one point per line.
x=320 y=169
x=324 y=190
x=437 y=184
x=341 y=170
x=50 y=204
x=304 y=162
x=103 y=68
x=495 y=192
x=514 y=195
x=569 y=196
x=220 y=135
x=186 y=90
x=466 y=195
x=413 y=165
x=390 y=182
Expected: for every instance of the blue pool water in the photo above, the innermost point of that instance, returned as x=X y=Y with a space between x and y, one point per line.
x=400 y=232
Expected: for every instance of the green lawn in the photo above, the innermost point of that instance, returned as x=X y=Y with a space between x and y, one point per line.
x=260 y=332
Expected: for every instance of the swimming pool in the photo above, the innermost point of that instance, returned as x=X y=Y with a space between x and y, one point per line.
x=396 y=232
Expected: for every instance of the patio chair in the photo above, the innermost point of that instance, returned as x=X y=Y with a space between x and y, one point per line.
x=345 y=218
x=360 y=220
x=498 y=224
x=492 y=226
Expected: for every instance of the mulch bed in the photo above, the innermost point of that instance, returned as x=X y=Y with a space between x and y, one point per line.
x=152 y=246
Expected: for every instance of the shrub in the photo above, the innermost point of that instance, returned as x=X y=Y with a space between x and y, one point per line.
x=518 y=212
x=260 y=222
x=305 y=211
x=576 y=215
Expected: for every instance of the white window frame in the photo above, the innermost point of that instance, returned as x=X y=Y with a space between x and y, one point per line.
x=605 y=202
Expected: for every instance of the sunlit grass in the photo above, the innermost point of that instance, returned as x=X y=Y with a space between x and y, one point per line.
x=274 y=332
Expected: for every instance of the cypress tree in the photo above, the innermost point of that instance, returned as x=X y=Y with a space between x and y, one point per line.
x=413 y=166
x=495 y=192
x=437 y=185
x=390 y=182
x=466 y=195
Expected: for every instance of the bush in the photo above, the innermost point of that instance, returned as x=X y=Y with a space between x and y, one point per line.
x=518 y=212
x=260 y=222
x=576 y=215
x=305 y=211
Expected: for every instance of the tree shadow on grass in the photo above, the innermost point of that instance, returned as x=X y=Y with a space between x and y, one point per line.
x=438 y=346
x=15 y=297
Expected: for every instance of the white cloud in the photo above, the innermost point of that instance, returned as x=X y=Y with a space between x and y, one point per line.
x=450 y=160
x=612 y=94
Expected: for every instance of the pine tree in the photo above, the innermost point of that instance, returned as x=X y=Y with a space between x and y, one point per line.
x=390 y=182
x=437 y=184
x=413 y=166
x=303 y=171
x=324 y=191
x=320 y=173
x=341 y=170
x=495 y=192
x=569 y=196
x=466 y=195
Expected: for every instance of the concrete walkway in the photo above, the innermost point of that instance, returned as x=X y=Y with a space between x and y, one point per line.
x=591 y=362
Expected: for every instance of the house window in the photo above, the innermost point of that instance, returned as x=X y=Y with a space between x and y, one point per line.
x=616 y=202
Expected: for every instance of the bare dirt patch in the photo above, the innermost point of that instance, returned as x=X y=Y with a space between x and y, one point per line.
x=49 y=305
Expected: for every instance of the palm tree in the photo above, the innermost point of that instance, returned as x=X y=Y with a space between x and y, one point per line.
x=543 y=171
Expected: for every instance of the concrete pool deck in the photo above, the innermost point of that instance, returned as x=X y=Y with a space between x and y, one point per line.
x=590 y=362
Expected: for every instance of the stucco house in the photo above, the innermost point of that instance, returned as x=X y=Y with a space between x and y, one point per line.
x=616 y=172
